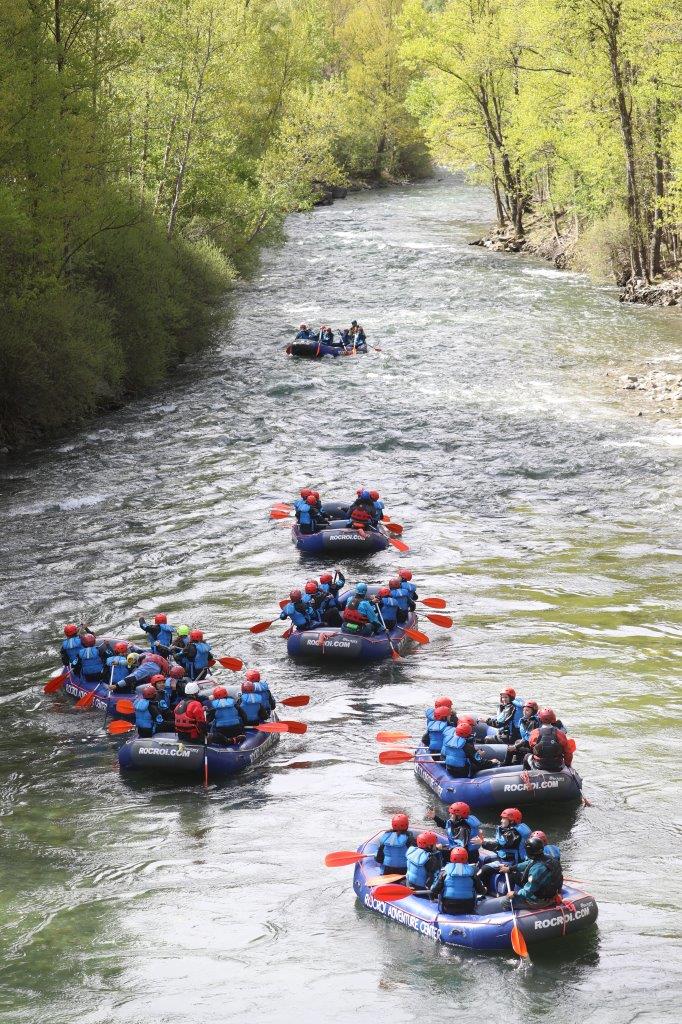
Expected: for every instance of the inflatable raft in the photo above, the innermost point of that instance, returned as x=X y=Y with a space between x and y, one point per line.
x=489 y=928
x=167 y=754
x=338 y=537
x=102 y=701
x=330 y=642
x=312 y=350
x=511 y=785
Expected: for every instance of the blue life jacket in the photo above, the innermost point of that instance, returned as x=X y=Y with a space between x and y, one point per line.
x=458 y=881
x=91 y=662
x=389 y=611
x=118 y=668
x=225 y=712
x=202 y=655
x=525 y=731
x=368 y=609
x=145 y=671
x=304 y=512
x=417 y=860
x=395 y=849
x=401 y=599
x=143 y=716
x=513 y=856
x=430 y=715
x=553 y=851
x=264 y=695
x=436 y=730
x=517 y=704
x=72 y=647
x=300 y=618
x=475 y=826
x=250 y=704
x=379 y=509
x=165 y=636
x=453 y=748
x=410 y=588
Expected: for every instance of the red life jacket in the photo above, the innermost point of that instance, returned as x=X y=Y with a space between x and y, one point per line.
x=360 y=515
x=188 y=724
x=158 y=660
x=353 y=615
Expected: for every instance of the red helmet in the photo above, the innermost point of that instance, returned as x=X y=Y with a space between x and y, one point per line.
x=425 y=840
x=547 y=716
x=295 y=595
x=311 y=587
x=177 y=672
x=513 y=814
x=315 y=495
x=148 y=691
x=459 y=855
x=248 y=687
x=464 y=729
x=71 y=629
x=359 y=491
x=121 y=647
x=539 y=835
x=394 y=582
x=442 y=713
x=196 y=635
x=374 y=495
x=468 y=720
x=509 y=692
x=400 y=822
x=532 y=704
x=326 y=577
x=384 y=592
x=405 y=574
x=160 y=619
x=304 y=492
x=219 y=692
x=443 y=700
x=88 y=640
x=158 y=678
x=253 y=675
x=459 y=810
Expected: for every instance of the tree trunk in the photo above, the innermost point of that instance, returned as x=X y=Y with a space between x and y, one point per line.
x=657 y=232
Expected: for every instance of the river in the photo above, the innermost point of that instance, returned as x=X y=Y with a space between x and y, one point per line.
x=544 y=513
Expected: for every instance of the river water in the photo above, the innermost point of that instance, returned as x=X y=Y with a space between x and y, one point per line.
x=546 y=515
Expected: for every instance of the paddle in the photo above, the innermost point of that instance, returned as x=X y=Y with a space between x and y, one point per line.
x=394 y=654
x=296 y=702
x=87 y=700
x=399 y=757
x=399 y=544
x=279 y=513
x=287 y=633
x=119 y=727
x=125 y=707
x=383 y=879
x=341 y=858
x=54 y=684
x=433 y=602
x=416 y=634
x=517 y=940
x=234 y=664
x=392 y=892
x=205 y=762
x=444 y=621
x=393 y=527
x=392 y=737
x=260 y=627
x=296 y=727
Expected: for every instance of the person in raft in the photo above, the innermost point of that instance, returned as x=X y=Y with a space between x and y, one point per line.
x=537 y=880
x=424 y=861
x=159 y=633
x=444 y=717
x=550 y=748
x=508 y=717
x=305 y=333
x=302 y=613
x=459 y=752
x=360 y=614
x=394 y=844
x=457 y=884
x=262 y=688
x=462 y=828
x=226 y=717
x=147 y=711
x=190 y=716
x=509 y=843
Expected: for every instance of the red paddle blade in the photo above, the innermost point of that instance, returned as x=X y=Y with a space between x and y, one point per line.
x=517 y=940
x=279 y=513
x=52 y=685
x=394 y=528
x=284 y=505
x=118 y=728
x=86 y=701
x=125 y=707
x=392 y=892
x=392 y=737
x=284 y=602
x=260 y=627
x=395 y=756
x=295 y=727
x=434 y=602
x=440 y=620
x=296 y=702
x=343 y=857
x=399 y=544
x=394 y=655
x=234 y=664
x=287 y=633
x=416 y=634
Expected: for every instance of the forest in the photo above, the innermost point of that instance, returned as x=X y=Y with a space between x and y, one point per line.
x=147 y=152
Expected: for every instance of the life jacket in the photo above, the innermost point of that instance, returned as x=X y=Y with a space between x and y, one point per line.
x=458 y=881
x=389 y=611
x=526 y=726
x=72 y=647
x=453 y=748
x=299 y=613
x=510 y=854
x=159 y=661
x=553 y=851
x=164 y=636
x=145 y=671
x=512 y=723
x=118 y=667
x=430 y=715
x=251 y=705
x=202 y=655
x=548 y=754
x=143 y=715
x=226 y=713
x=410 y=588
x=395 y=849
x=91 y=662
x=401 y=599
x=184 y=723
x=303 y=512
x=417 y=873
x=265 y=697
x=351 y=614
x=474 y=827
x=545 y=878
x=436 y=728
x=369 y=611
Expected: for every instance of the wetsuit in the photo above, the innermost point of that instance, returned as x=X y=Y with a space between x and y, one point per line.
x=540 y=879
x=550 y=749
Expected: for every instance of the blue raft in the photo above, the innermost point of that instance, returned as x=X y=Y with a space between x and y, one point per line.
x=338 y=537
x=303 y=349
x=330 y=642
x=507 y=785
x=489 y=928
x=103 y=700
x=165 y=753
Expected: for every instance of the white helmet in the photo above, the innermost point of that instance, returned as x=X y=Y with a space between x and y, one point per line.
x=191 y=688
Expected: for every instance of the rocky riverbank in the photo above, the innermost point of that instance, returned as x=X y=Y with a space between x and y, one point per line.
x=653 y=389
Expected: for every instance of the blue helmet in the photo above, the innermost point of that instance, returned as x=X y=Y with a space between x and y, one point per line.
x=364 y=495
x=361 y=589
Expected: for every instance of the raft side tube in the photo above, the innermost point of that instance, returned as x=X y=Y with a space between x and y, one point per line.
x=331 y=642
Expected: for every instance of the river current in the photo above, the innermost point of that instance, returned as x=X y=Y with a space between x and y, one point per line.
x=547 y=516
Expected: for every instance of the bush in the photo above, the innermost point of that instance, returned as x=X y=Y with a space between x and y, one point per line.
x=603 y=249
